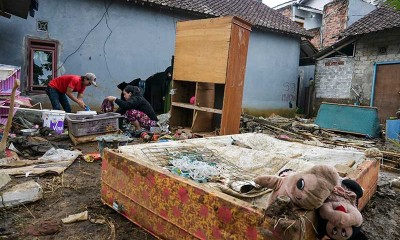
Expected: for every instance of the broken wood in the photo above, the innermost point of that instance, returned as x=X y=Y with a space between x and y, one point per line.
x=83 y=216
x=88 y=138
x=3 y=142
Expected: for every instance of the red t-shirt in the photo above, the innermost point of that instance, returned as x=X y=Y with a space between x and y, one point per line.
x=62 y=83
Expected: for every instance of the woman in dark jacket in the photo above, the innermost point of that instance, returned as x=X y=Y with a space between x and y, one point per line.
x=136 y=108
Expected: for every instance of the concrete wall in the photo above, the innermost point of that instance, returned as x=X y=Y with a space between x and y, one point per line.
x=336 y=76
x=142 y=43
x=311 y=20
x=367 y=53
x=318 y=4
x=271 y=74
x=333 y=78
x=358 y=9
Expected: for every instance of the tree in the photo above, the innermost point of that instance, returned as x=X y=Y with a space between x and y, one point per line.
x=394 y=3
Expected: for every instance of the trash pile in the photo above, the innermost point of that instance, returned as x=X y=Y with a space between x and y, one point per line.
x=30 y=150
x=305 y=131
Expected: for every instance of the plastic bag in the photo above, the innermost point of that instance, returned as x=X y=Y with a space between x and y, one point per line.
x=54 y=155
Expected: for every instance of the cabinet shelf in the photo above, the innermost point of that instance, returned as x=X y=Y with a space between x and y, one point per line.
x=198 y=108
x=209 y=65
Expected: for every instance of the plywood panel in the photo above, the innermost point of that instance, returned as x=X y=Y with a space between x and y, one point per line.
x=387 y=91
x=181 y=117
x=201 y=50
x=183 y=91
x=205 y=97
x=232 y=105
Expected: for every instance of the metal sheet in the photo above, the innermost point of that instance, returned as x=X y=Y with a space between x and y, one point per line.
x=349 y=118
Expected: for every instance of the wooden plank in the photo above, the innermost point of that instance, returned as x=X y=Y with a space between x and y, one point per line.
x=88 y=138
x=181 y=116
x=190 y=106
x=366 y=175
x=205 y=97
x=232 y=105
x=183 y=91
x=201 y=50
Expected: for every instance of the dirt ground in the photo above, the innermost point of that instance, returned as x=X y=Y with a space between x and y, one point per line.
x=78 y=189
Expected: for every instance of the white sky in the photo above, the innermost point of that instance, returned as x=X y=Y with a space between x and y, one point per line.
x=273 y=3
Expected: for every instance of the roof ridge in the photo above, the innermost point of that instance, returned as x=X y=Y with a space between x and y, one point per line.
x=258 y=14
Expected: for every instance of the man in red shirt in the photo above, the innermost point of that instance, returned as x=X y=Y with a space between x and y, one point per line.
x=59 y=88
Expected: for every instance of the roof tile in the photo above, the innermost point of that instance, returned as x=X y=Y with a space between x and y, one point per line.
x=255 y=12
x=381 y=18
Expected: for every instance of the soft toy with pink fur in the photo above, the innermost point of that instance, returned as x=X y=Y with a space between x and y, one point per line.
x=306 y=189
x=339 y=217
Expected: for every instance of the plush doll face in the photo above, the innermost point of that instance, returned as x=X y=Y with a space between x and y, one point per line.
x=338 y=233
x=339 y=218
x=307 y=190
x=342 y=217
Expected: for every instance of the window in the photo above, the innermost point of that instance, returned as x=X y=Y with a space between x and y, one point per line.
x=42 y=63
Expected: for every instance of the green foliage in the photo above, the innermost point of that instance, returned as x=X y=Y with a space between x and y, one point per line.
x=394 y=3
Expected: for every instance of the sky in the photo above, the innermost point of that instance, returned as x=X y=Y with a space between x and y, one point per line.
x=273 y=3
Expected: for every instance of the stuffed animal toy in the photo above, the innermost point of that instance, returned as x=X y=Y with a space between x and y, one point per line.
x=339 y=217
x=307 y=189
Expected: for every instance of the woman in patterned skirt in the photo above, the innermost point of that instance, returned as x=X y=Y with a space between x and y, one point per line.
x=136 y=108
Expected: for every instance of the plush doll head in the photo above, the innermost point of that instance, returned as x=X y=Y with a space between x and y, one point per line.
x=307 y=189
x=339 y=217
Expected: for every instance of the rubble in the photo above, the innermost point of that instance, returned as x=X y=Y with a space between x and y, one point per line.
x=26 y=192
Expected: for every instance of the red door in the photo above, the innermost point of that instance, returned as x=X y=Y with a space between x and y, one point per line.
x=387 y=90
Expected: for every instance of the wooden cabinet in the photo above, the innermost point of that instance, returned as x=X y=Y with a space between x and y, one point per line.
x=210 y=64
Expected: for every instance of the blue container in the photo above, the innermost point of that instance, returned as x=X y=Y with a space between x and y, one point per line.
x=393 y=129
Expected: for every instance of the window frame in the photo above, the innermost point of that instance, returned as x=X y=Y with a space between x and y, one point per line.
x=44 y=45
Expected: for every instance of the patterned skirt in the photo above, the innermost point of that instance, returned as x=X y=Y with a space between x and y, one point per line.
x=141 y=117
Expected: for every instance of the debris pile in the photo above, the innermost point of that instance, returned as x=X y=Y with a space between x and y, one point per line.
x=306 y=132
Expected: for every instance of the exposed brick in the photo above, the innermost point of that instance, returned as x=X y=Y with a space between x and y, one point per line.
x=316 y=40
x=333 y=21
x=286 y=11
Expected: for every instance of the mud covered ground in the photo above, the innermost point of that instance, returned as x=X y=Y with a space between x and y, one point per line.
x=78 y=189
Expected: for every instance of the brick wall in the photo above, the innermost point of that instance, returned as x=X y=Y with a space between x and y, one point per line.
x=333 y=21
x=367 y=53
x=316 y=40
x=286 y=11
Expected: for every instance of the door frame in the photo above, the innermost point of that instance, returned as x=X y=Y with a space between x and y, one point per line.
x=374 y=78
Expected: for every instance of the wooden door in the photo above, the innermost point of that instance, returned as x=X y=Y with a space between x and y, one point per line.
x=387 y=90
